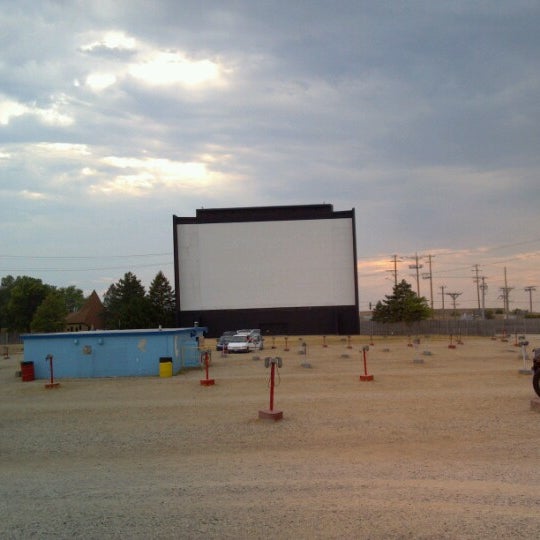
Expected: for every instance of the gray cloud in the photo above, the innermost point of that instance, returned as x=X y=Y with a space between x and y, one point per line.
x=423 y=116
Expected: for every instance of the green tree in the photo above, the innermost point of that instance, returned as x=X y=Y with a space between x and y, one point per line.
x=50 y=316
x=26 y=294
x=162 y=301
x=5 y=291
x=403 y=305
x=73 y=297
x=126 y=304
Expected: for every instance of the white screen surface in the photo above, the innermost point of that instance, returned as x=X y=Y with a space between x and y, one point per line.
x=267 y=264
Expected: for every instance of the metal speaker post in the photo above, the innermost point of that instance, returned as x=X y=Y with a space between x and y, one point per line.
x=523 y=344
x=270 y=413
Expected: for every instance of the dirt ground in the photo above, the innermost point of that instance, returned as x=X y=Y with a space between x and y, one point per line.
x=442 y=444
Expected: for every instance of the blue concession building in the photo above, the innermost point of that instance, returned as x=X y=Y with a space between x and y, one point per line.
x=114 y=353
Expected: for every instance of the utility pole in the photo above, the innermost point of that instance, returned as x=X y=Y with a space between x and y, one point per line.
x=442 y=287
x=483 y=288
x=416 y=267
x=429 y=275
x=530 y=289
x=394 y=271
x=454 y=296
x=506 y=295
x=477 y=281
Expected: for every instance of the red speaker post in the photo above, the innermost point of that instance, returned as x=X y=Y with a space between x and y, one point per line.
x=365 y=376
x=207 y=381
x=51 y=384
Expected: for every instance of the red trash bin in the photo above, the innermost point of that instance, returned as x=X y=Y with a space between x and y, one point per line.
x=27 y=371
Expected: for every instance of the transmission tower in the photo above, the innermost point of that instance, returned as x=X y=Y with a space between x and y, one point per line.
x=454 y=296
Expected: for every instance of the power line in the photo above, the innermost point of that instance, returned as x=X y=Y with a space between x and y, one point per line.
x=503 y=246
x=77 y=257
x=494 y=248
x=39 y=269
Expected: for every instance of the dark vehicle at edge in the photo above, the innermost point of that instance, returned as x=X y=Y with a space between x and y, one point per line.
x=536 y=371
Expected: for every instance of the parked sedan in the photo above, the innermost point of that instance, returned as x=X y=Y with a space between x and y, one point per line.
x=242 y=343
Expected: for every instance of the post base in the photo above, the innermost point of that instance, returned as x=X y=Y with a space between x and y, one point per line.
x=270 y=415
x=366 y=377
x=52 y=385
x=207 y=382
x=451 y=346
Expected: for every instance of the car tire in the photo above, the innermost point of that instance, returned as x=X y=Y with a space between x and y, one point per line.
x=536 y=382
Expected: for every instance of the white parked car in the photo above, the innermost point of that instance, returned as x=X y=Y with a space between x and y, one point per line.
x=244 y=343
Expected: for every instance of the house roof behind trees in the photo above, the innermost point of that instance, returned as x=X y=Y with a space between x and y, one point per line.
x=90 y=314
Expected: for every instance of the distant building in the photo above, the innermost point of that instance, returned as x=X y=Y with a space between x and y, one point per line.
x=113 y=353
x=89 y=317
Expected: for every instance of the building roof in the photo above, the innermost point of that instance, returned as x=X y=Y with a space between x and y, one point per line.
x=90 y=313
x=192 y=331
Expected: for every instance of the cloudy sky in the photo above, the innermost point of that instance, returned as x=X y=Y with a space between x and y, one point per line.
x=422 y=115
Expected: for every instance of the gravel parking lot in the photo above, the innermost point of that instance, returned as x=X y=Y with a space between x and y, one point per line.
x=442 y=444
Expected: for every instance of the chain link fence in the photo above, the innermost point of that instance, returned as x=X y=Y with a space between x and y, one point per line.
x=458 y=327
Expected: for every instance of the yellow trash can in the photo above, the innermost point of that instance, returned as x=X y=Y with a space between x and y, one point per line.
x=165 y=366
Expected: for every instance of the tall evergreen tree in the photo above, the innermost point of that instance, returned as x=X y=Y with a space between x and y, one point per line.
x=403 y=305
x=126 y=304
x=161 y=297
